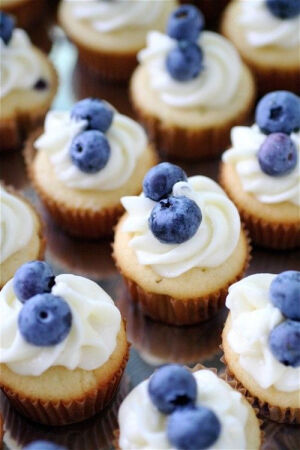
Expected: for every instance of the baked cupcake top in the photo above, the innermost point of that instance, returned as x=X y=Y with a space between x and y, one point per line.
x=265 y=328
x=178 y=223
x=20 y=66
x=92 y=147
x=266 y=156
x=273 y=23
x=48 y=321
x=179 y=409
x=188 y=67
x=17 y=224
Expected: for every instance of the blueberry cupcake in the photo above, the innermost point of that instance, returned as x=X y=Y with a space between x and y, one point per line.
x=261 y=342
x=108 y=35
x=266 y=33
x=179 y=409
x=179 y=246
x=21 y=237
x=261 y=172
x=63 y=345
x=190 y=88
x=84 y=161
x=28 y=84
x=26 y=12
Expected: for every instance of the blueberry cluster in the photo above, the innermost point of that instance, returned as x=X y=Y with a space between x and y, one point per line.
x=173 y=220
x=284 y=9
x=45 y=319
x=185 y=61
x=278 y=115
x=173 y=391
x=7 y=25
x=90 y=150
x=284 y=340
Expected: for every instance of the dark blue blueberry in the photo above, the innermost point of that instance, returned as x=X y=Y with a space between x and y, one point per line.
x=34 y=277
x=172 y=386
x=43 y=445
x=185 y=62
x=7 y=25
x=185 y=23
x=284 y=341
x=278 y=111
x=284 y=9
x=159 y=181
x=285 y=293
x=193 y=428
x=97 y=112
x=90 y=151
x=278 y=155
x=45 y=320
x=175 y=220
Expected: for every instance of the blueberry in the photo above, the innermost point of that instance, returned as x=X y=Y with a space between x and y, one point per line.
x=7 y=25
x=278 y=111
x=185 y=61
x=193 y=428
x=277 y=155
x=90 y=151
x=185 y=23
x=97 y=112
x=43 y=445
x=175 y=220
x=172 y=386
x=45 y=320
x=159 y=181
x=34 y=277
x=284 y=9
x=285 y=293
x=284 y=341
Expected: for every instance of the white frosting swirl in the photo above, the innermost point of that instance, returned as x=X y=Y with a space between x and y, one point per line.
x=127 y=141
x=16 y=224
x=213 y=243
x=142 y=426
x=19 y=64
x=214 y=87
x=109 y=16
x=262 y=28
x=253 y=318
x=246 y=142
x=92 y=338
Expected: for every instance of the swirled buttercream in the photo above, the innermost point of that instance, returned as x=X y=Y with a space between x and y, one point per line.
x=246 y=142
x=92 y=338
x=19 y=64
x=127 y=141
x=214 y=87
x=109 y=16
x=142 y=426
x=263 y=29
x=16 y=224
x=253 y=317
x=213 y=243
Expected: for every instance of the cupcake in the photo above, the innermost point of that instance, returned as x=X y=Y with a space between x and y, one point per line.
x=63 y=345
x=84 y=161
x=26 y=12
x=179 y=246
x=261 y=172
x=190 y=88
x=108 y=35
x=21 y=233
x=28 y=84
x=177 y=409
x=261 y=342
x=266 y=33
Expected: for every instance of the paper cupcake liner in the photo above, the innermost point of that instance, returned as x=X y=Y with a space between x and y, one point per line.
x=1 y=430
x=265 y=409
x=67 y=412
x=26 y=13
x=189 y=144
x=78 y=222
x=278 y=236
